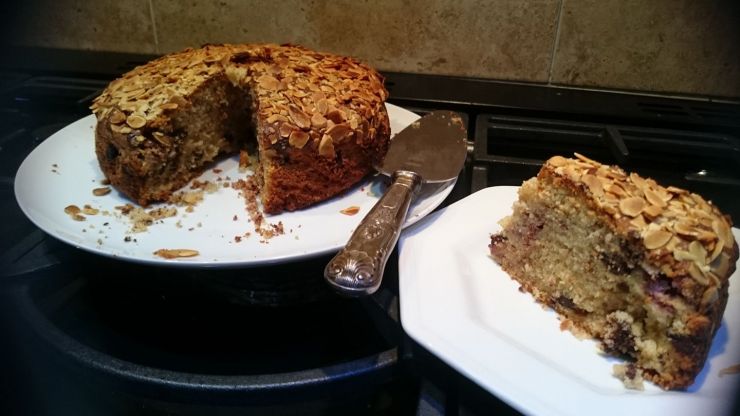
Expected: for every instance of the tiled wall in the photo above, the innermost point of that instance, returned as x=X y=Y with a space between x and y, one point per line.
x=689 y=47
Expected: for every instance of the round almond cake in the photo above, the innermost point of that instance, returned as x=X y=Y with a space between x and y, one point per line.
x=318 y=120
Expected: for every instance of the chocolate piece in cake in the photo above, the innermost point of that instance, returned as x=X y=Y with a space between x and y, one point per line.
x=641 y=267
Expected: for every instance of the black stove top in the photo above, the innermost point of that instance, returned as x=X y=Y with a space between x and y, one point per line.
x=85 y=334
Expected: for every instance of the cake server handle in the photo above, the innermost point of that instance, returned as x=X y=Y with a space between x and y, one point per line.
x=357 y=269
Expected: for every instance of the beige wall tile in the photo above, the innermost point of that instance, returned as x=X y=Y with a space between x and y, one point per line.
x=682 y=46
x=504 y=39
x=113 y=25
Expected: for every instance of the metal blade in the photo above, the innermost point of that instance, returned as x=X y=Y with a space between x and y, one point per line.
x=433 y=147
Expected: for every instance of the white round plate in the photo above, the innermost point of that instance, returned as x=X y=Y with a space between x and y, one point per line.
x=63 y=170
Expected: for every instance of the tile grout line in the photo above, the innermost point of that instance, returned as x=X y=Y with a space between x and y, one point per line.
x=154 y=26
x=555 y=41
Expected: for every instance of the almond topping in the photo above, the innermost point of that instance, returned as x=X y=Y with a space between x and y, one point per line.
x=631 y=207
x=175 y=253
x=162 y=139
x=352 y=210
x=585 y=159
x=654 y=198
x=557 y=161
x=652 y=211
x=322 y=106
x=723 y=232
x=117 y=116
x=299 y=117
x=697 y=274
x=656 y=238
x=717 y=250
x=339 y=132
x=699 y=253
x=684 y=228
x=298 y=138
x=269 y=83
x=286 y=129
x=136 y=121
x=594 y=184
x=101 y=191
x=326 y=147
x=72 y=209
x=318 y=121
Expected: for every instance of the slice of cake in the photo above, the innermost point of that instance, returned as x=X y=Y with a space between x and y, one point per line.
x=641 y=267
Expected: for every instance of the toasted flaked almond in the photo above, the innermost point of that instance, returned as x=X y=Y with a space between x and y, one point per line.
x=699 y=253
x=136 y=121
x=285 y=129
x=683 y=255
x=585 y=159
x=594 y=184
x=72 y=209
x=162 y=139
x=322 y=106
x=268 y=82
x=654 y=198
x=652 y=211
x=169 y=106
x=175 y=253
x=78 y=217
x=638 y=181
x=276 y=117
x=117 y=116
x=318 y=121
x=632 y=207
x=317 y=96
x=720 y=227
x=339 y=132
x=656 y=238
x=335 y=115
x=685 y=229
x=298 y=138
x=300 y=118
x=716 y=250
x=326 y=147
x=352 y=210
x=676 y=191
x=696 y=274
x=616 y=190
x=88 y=210
x=101 y=191
x=638 y=222
x=557 y=161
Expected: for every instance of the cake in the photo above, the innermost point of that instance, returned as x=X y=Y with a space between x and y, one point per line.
x=317 y=122
x=640 y=267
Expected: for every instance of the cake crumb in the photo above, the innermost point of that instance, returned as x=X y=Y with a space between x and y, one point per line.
x=249 y=190
x=630 y=376
x=351 y=210
x=733 y=369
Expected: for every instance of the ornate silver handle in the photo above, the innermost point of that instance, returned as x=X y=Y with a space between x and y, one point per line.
x=358 y=268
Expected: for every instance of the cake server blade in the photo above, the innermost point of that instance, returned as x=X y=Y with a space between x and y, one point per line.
x=432 y=149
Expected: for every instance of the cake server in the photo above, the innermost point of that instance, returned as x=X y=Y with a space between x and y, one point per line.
x=430 y=150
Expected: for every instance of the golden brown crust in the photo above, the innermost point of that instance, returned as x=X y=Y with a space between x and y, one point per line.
x=683 y=234
x=320 y=106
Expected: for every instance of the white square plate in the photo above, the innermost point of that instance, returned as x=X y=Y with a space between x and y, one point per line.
x=459 y=304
